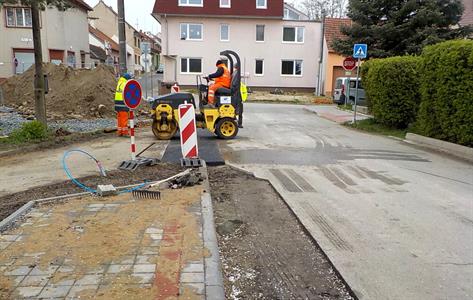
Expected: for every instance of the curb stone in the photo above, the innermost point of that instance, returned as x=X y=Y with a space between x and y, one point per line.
x=459 y=151
x=213 y=275
x=310 y=110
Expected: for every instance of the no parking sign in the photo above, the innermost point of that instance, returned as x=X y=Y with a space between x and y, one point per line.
x=132 y=94
x=132 y=97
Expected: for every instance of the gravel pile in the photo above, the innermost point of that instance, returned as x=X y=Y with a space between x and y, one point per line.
x=84 y=125
x=11 y=120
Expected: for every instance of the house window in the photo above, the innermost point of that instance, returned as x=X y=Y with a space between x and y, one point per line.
x=191 y=32
x=293 y=34
x=291 y=67
x=198 y=3
x=191 y=65
x=18 y=17
x=260 y=33
x=82 y=60
x=259 y=67
x=261 y=4
x=226 y=3
x=224 y=32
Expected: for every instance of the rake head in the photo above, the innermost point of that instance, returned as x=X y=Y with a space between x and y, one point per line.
x=156 y=195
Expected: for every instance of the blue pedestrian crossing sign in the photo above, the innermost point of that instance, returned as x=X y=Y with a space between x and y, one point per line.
x=360 y=51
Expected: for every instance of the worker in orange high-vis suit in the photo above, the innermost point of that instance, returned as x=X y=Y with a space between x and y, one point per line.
x=222 y=78
x=120 y=107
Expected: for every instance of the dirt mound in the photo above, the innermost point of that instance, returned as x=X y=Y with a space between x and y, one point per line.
x=73 y=93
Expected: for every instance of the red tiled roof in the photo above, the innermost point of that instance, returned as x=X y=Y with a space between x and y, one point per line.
x=246 y=8
x=467 y=18
x=103 y=37
x=332 y=30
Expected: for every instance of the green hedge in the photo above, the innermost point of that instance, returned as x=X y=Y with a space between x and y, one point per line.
x=446 y=111
x=392 y=89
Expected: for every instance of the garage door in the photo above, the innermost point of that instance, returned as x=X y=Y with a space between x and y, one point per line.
x=56 y=56
x=25 y=60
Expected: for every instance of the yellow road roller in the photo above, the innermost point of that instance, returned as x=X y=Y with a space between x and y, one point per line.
x=223 y=119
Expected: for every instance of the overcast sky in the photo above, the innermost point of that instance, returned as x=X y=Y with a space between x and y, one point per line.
x=138 y=15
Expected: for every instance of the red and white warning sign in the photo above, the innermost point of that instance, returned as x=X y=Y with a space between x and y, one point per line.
x=188 y=131
x=175 y=89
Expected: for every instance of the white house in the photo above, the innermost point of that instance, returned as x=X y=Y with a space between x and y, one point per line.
x=278 y=45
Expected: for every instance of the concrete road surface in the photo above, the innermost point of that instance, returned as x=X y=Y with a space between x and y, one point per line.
x=395 y=220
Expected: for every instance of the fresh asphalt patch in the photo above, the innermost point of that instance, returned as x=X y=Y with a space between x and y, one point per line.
x=208 y=149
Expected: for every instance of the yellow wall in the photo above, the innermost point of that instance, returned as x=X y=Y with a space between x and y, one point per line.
x=333 y=60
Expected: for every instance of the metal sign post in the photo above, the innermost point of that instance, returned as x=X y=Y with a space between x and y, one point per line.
x=359 y=51
x=146 y=50
x=349 y=64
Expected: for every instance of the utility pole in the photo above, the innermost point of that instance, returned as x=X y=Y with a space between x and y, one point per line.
x=122 y=36
x=40 y=103
x=320 y=80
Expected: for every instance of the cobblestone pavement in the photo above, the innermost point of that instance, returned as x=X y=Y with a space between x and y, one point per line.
x=112 y=248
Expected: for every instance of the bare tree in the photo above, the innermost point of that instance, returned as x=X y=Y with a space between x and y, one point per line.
x=315 y=9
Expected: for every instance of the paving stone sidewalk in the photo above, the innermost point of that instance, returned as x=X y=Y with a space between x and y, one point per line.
x=108 y=248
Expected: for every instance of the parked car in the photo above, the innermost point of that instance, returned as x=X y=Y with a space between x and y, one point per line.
x=345 y=89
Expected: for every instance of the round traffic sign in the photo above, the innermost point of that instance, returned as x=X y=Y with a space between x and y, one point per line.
x=132 y=94
x=349 y=63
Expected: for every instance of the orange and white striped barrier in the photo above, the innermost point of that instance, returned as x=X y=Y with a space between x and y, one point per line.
x=188 y=131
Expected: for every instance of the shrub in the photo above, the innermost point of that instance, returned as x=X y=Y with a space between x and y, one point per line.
x=30 y=131
x=392 y=88
x=446 y=110
x=365 y=68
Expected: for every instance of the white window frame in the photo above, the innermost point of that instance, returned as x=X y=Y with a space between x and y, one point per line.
x=179 y=3
x=187 y=31
x=188 y=65
x=229 y=5
x=228 y=26
x=262 y=7
x=296 y=28
x=294 y=68
x=264 y=33
x=256 y=74
x=16 y=25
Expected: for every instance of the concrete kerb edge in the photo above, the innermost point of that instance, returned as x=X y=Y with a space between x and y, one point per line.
x=11 y=219
x=214 y=289
x=310 y=110
x=352 y=293
x=458 y=151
